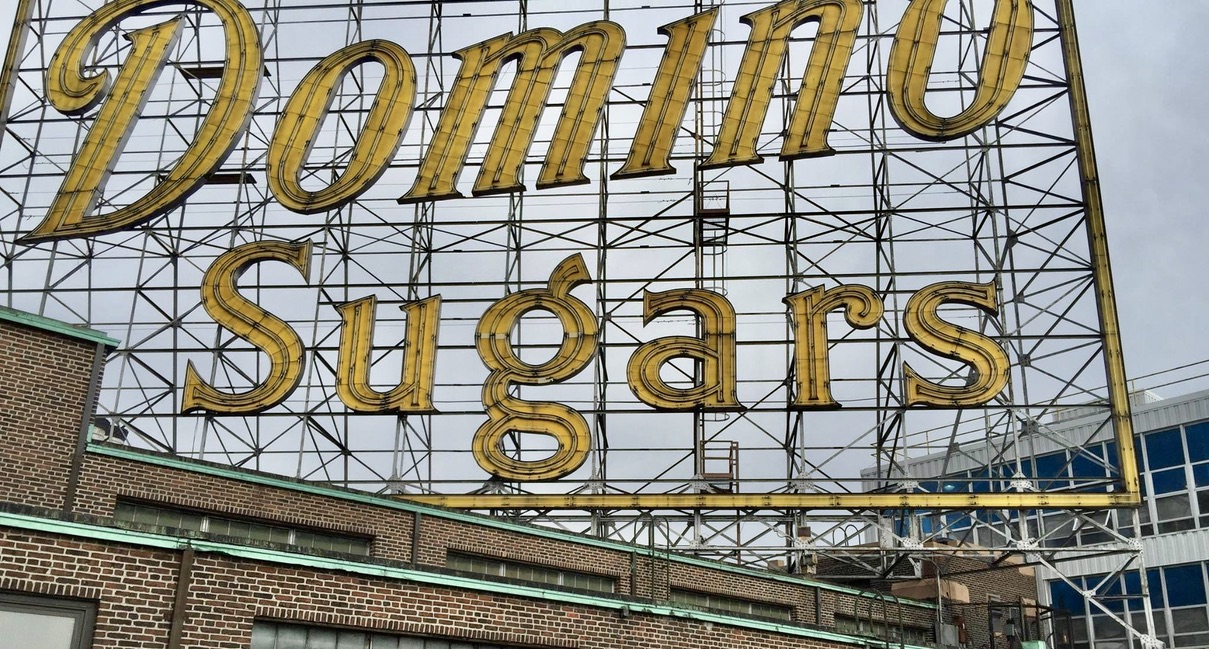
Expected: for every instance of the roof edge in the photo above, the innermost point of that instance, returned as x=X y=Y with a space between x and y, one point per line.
x=79 y=332
x=293 y=484
x=161 y=541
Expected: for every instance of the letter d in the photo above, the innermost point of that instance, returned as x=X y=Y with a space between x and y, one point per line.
x=73 y=92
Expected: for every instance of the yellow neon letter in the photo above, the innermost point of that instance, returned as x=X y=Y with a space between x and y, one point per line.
x=250 y=322
x=818 y=95
x=811 y=361
x=437 y=178
x=73 y=92
x=714 y=351
x=651 y=150
x=538 y=53
x=1003 y=65
x=508 y=414
x=984 y=356
x=414 y=392
x=376 y=145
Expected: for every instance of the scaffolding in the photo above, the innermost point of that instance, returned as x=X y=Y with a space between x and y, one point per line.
x=1007 y=204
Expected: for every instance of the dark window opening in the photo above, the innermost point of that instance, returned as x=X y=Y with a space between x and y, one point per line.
x=158 y=516
x=529 y=573
x=725 y=604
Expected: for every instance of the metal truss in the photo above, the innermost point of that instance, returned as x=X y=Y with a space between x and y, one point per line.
x=1006 y=204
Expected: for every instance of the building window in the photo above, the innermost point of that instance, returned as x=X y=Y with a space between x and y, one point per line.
x=45 y=622
x=1179 y=597
x=724 y=604
x=529 y=573
x=1173 y=466
x=158 y=516
x=879 y=629
x=1176 y=476
x=274 y=635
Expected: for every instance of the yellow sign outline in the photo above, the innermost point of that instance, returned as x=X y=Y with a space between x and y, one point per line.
x=1129 y=496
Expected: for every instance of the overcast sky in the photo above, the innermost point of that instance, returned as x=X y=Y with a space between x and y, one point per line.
x=1148 y=100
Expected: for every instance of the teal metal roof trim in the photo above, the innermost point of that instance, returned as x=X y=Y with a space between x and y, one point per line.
x=266 y=555
x=56 y=326
x=279 y=482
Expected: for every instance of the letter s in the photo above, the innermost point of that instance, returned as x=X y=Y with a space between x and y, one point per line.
x=988 y=360
x=250 y=322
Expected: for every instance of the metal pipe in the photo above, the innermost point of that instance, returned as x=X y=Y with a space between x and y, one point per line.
x=1097 y=236
x=940 y=600
x=633 y=573
x=818 y=605
x=77 y=457
x=184 y=578
x=415 y=538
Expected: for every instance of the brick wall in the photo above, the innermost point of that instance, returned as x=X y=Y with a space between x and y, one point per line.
x=134 y=590
x=637 y=574
x=44 y=380
x=104 y=480
x=973 y=578
x=1006 y=582
x=46 y=377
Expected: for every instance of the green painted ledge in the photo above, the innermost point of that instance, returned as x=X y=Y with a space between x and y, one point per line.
x=266 y=555
x=269 y=480
x=56 y=326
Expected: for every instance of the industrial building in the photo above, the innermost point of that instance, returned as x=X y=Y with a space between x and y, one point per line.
x=1172 y=445
x=1087 y=577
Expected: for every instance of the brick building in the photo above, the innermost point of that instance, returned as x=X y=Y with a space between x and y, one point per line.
x=107 y=546
x=981 y=590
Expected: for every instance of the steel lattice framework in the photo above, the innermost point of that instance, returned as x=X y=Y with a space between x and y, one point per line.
x=1013 y=203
